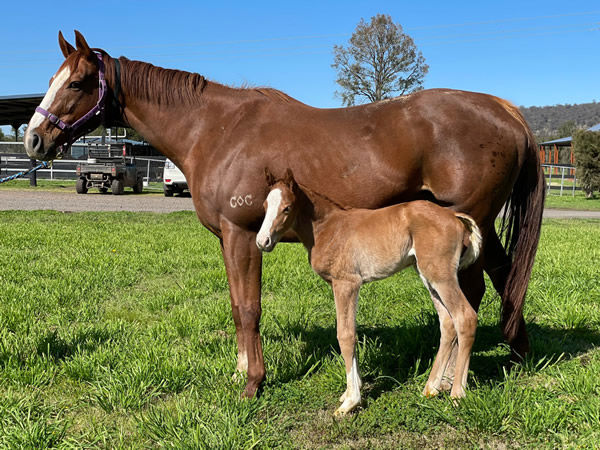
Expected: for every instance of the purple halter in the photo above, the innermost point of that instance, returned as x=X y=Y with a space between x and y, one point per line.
x=99 y=109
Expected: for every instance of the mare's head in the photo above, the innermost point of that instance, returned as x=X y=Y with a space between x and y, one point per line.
x=281 y=209
x=75 y=90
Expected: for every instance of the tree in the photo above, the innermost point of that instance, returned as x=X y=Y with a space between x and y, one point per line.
x=566 y=129
x=379 y=62
x=586 y=149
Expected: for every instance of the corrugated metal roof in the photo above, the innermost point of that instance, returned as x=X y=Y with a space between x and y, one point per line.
x=567 y=140
x=18 y=109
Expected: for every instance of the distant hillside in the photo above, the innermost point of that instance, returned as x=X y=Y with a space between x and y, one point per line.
x=546 y=120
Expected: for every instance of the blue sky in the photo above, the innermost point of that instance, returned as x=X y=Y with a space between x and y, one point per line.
x=532 y=53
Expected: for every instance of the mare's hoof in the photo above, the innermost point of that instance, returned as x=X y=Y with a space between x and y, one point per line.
x=250 y=391
x=238 y=376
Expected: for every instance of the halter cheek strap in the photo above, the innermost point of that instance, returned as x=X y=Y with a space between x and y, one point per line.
x=97 y=110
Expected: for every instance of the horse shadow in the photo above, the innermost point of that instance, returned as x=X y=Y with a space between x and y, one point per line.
x=392 y=355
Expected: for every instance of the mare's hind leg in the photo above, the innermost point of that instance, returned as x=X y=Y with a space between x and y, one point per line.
x=346 y=299
x=497 y=265
x=447 y=341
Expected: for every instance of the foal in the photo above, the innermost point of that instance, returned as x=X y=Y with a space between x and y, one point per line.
x=349 y=247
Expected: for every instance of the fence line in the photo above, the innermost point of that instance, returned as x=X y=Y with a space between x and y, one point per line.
x=67 y=167
x=566 y=173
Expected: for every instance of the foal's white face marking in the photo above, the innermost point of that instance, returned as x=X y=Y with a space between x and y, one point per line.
x=58 y=82
x=263 y=238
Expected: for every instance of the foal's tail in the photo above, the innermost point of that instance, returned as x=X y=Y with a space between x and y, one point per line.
x=472 y=241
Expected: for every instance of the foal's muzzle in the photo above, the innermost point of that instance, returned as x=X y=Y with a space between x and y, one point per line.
x=264 y=244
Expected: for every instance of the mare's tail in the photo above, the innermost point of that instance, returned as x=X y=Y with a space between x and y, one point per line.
x=472 y=241
x=521 y=228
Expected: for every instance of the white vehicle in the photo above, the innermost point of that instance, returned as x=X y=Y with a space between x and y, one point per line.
x=174 y=181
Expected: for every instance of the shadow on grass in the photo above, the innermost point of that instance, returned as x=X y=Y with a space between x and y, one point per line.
x=395 y=354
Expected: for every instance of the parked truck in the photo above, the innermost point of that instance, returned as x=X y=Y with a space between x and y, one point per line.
x=109 y=166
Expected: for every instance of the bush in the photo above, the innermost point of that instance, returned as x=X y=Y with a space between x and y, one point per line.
x=586 y=148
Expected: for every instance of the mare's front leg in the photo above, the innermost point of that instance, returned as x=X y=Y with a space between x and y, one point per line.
x=346 y=300
x=243 y=263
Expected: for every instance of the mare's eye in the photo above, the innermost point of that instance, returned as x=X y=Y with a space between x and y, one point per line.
x=75 y=85
x=286 y=210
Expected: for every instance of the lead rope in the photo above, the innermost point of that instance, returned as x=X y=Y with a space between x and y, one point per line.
x=43 y=165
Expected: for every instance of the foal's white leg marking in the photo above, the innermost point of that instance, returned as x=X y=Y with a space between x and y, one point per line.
x=346 y=300
x=59 y=80
x=351 y=398
x=273 y=202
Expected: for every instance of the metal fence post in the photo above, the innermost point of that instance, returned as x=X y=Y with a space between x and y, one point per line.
x=33 y=175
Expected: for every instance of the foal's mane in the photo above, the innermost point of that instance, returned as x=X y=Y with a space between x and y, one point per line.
x=312 y=193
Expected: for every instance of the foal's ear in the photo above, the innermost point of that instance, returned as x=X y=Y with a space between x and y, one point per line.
x=81 y=44
x=65 y=47
x=289 y=177
x=270 y=178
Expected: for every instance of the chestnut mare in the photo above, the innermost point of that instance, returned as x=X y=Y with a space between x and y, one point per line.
x=467 y=151
x=348 y=248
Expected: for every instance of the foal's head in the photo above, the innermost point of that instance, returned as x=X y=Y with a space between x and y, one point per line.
x=280 y=210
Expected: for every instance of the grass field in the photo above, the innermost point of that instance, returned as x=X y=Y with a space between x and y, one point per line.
x=116 y=332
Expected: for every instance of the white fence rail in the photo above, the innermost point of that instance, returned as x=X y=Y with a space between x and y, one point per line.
x=560 y=178
x=65 y=168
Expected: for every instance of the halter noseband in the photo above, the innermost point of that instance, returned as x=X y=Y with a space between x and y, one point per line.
x=98 y=109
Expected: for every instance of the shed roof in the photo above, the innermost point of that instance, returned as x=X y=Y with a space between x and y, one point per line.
x=567 y=140
x=18 y=109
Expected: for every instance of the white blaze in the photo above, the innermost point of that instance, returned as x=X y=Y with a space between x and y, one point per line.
x=273 y=202
x=59 y=80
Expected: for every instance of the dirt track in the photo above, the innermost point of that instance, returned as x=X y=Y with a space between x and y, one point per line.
x=21 y=199
x=70 y=201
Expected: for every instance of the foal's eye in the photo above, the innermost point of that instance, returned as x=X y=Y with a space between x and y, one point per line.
x=286 y=210
x=75 y=85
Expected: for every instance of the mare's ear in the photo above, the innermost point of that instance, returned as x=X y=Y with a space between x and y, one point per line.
x=289 y=177
x=82 y=45
x=65 y=47
x=270 y=178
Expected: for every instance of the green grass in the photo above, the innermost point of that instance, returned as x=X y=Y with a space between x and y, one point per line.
x=568 y=201
x=116 y=332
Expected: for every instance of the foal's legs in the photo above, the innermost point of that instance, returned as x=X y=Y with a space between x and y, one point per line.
x=447 y=342
x=441 y=280
x=464 y=318
x=243 y=263
x=472 y=285
x=346 y=299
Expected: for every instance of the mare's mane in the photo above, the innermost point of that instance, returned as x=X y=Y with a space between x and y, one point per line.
x=170 y=86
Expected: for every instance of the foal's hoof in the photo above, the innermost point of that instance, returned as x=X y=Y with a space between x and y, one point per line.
x=348 y=406
x=430 y=392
